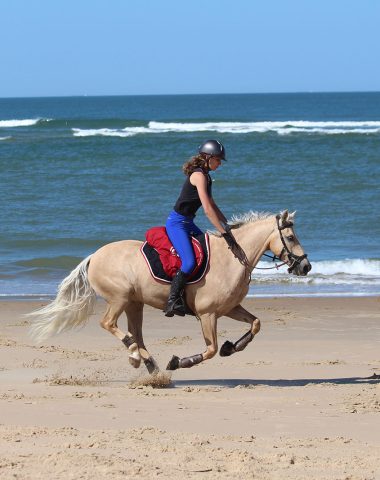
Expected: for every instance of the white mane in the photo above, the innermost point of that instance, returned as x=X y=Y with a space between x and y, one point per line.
x=237 y=221
x=249 y=217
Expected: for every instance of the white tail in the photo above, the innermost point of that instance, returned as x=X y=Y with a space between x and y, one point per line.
x=71 y=308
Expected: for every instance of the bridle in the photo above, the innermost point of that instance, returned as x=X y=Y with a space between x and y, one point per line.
x=295 y=259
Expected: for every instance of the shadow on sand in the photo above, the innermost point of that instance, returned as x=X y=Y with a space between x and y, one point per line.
x=299 y=382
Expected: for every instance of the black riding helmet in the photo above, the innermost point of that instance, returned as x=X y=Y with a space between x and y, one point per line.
x=214 y=148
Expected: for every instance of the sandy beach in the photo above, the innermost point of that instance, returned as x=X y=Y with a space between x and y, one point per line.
x=302 y=401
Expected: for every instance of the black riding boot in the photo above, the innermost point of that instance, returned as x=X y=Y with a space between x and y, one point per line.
x=175 y=305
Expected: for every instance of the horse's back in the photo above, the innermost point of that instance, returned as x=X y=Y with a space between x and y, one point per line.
x=114 y=266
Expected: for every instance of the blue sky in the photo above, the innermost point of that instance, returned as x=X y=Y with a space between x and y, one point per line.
x=128 y=47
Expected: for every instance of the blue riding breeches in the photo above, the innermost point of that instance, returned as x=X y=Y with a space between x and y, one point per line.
x=179 y=229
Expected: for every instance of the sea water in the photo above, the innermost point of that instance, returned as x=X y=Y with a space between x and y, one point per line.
x=79 y=172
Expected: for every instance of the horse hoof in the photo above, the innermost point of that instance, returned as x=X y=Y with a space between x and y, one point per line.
x=227 y=349
x=151 y=366
x=135 y=362
x=173 y=364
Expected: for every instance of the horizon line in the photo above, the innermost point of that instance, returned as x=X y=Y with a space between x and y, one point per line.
x=84 y=95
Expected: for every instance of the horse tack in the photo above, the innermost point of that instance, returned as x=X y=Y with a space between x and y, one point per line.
x=163 y=261
x=297 y=259
x=228 y=348
x=186 y=362
x=118 y=273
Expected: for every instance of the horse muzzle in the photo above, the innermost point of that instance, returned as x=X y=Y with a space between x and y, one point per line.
x=301 y=268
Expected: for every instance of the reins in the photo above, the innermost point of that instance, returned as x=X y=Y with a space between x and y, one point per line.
x=296 y=259
x=274 y=259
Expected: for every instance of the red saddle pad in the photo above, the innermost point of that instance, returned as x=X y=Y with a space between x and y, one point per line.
x=157 y=238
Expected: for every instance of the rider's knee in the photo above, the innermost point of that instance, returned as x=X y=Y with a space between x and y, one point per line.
x=188 y=266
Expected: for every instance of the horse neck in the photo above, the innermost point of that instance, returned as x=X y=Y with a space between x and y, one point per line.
x=253 y=237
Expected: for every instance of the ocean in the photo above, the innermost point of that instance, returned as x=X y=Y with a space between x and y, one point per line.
x=80 y=172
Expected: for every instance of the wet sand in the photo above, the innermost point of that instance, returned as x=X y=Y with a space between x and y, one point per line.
x=302 y=401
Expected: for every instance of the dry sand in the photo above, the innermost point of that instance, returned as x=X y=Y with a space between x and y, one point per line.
x=301 y=402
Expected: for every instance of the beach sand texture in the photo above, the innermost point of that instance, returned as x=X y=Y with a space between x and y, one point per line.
x=301 y=402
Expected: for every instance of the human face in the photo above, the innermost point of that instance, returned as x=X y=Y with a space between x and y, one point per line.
x=214 y=163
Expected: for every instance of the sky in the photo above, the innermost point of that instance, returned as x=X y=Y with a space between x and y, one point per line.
x=139 y=47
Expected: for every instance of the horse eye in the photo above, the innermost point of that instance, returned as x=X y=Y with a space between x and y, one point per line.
x=290 y=238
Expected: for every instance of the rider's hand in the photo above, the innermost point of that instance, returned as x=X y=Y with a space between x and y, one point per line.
x=235 y=248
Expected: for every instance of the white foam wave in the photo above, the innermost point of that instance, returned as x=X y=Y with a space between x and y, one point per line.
x=28 y=122
x=316 y=280
x=330 y=131
x=282 y=128
x=335 y=272
x=103 y=132
x=349 y=266
x=5 y=138
x=356 y=266
x=288 y=126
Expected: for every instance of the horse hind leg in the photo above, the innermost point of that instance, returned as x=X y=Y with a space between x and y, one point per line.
x=109 y=323
x=134 y=312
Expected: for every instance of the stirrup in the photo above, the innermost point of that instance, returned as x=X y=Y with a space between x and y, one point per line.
x=176 y=307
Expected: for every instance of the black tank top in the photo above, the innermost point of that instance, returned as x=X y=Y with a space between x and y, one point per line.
x=188 y=201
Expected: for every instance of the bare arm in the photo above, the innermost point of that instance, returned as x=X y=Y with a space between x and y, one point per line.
x=221 y=217
x=211 y=210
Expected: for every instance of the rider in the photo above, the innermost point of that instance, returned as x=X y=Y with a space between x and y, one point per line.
x=196 y=191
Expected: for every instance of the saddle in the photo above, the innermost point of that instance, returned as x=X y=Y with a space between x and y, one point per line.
x=163 y=261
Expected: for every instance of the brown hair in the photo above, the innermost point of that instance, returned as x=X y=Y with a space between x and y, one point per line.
x=198 y=161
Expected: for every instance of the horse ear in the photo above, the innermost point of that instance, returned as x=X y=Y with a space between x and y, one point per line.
x=291 y=216
x=284 y=216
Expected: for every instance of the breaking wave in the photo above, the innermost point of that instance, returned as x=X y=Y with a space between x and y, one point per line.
x=281 y=128
x=334 y=272
x=28 y=122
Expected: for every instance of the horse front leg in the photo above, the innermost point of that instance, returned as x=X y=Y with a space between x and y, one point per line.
x=242 y=315
x=209 y=326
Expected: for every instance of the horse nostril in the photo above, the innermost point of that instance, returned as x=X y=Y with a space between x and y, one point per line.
x=306 y=269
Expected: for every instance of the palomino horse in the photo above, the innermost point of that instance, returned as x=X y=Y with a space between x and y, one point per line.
x=118 y=273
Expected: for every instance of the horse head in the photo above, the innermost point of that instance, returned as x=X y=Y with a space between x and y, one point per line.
x=286 y=246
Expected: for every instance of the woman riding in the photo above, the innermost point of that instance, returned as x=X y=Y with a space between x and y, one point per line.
x=180 y=226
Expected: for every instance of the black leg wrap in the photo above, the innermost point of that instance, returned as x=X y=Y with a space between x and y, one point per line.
x=188 y=362
x=173 y=363
x=227 y=349
x=151 y=365
x=243 y=342
x=128 y=341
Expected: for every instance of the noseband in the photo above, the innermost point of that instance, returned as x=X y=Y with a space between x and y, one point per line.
x=295 y=259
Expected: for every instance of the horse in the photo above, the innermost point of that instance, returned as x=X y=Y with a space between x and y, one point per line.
x=118 y=273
